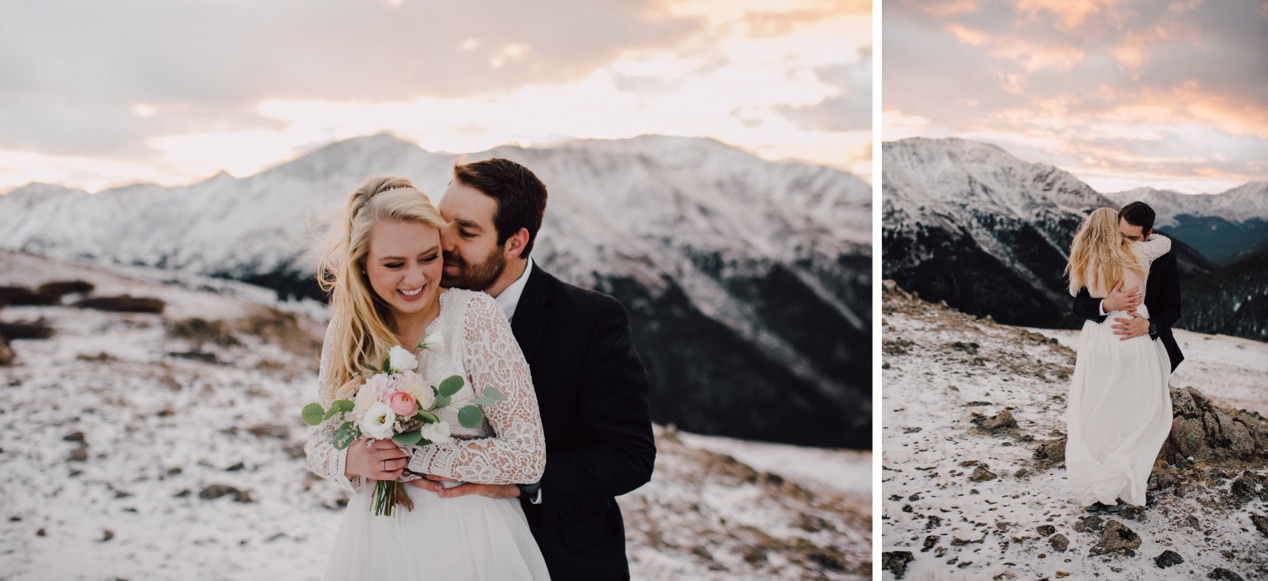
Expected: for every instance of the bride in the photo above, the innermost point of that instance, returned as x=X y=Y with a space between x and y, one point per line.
x=383 y=274
x=1119 y=410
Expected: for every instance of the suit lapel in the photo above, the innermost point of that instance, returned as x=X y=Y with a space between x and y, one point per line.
x=532 y=313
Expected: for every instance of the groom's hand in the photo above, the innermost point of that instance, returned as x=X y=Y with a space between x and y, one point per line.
x=1131 y=328
x=489 y=490
x=431 y=482
x=1121 y=299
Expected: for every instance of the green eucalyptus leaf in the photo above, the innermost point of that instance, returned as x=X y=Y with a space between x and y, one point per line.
x=450 y=385
x=441 y=401
x=493 y=394
x=345 y=436
x=408 y=438
x=470 y=416
x=427 y=416
x=313 y=414
x=343 y=405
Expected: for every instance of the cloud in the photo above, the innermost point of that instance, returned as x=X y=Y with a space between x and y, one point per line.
x=1125 y=83
x=186 y=89
x=850 y=108
x=96 y=60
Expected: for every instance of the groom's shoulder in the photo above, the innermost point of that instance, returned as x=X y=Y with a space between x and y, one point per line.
x=575 y=297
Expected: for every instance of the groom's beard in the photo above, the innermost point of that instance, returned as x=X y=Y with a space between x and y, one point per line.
x=476 y=277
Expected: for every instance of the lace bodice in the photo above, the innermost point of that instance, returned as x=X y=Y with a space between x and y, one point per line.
x=1147 y=251
x=477 y=343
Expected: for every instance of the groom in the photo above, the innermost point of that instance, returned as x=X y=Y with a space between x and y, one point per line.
x=1162 y=291
x=590 y=383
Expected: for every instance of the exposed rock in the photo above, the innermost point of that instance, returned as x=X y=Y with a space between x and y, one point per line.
x=896 y=562
x=1135 y=513
x=1205 y=433
x=1223 y=574
x=1116 y=538
x=6 y=353
x=1047 y=530
x=124 y=304
x=20 y=295
x=1002 y=421
x=1244 y=489
x=1089 y=524
x=981 y=474
x=54 y=291
x=930 y=542
x=215 y=491
x=1051 y=453
x=1168 y=559
x=1059 y=543
x=26 y=330
x=970 y=348
x=1261 y=523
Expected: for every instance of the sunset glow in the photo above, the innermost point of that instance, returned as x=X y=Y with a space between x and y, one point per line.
x=1122 y=93
x=244 y=90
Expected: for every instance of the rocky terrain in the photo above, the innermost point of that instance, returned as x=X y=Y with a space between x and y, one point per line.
x=972 y=475
x=166 y=443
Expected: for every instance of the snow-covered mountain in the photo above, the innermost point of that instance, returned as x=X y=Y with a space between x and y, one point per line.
x=970 y=224
x=1227 y=227
x=967 y=222
x=169 y=446
x=970 y=413
x=739 y=273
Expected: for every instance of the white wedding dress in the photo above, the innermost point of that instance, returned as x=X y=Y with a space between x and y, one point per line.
x=1119 y=409
x=468 y=537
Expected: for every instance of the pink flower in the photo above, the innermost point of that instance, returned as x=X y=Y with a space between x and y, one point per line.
x=403 y=404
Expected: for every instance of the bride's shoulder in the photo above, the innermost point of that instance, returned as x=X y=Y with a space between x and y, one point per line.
x=464 y=302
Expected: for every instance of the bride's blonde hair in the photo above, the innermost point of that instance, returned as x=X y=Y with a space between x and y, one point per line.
x=1099 y=240
x=362 y=327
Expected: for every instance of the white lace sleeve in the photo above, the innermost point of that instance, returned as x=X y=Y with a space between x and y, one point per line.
x=1151 y=249
x=516 y=453
x=323 y=459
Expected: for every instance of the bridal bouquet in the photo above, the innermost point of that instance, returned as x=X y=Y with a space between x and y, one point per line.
x=395 y=402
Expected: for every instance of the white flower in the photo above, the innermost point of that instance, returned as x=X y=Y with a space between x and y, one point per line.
x=369 y=393
x=400 y=359
x=436 y=433
x=413 y=384
x=378 y=421
x=433 y=342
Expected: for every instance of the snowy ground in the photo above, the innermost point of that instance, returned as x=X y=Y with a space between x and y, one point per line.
x=1230 y=370
x=941 y=367
x=164 y=419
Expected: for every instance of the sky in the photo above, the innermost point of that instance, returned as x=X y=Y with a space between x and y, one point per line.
x=101 y=94
x=1170 y=94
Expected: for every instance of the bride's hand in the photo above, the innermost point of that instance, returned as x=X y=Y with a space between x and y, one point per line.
x=1121 y=299
x=375 y=459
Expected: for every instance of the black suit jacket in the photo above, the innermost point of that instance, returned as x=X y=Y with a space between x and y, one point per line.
x=1162 y=298
x=592 y=390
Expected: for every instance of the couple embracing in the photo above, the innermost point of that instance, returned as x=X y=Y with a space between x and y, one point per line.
x=1124 y=281
x=529 y=493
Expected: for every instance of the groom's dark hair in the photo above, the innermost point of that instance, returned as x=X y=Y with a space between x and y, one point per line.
x=520 y=196
x=1138 y=214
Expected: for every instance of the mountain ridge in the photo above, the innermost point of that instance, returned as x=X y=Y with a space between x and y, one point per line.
x=695 y=237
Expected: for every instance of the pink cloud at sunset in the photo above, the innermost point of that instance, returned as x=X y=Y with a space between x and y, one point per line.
x=1123 y=93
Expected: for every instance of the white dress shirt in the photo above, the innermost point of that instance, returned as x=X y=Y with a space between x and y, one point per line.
x=510 y=298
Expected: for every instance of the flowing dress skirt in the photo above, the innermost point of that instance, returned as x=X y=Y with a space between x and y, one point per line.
x=1118 y=414
x=468 y=537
